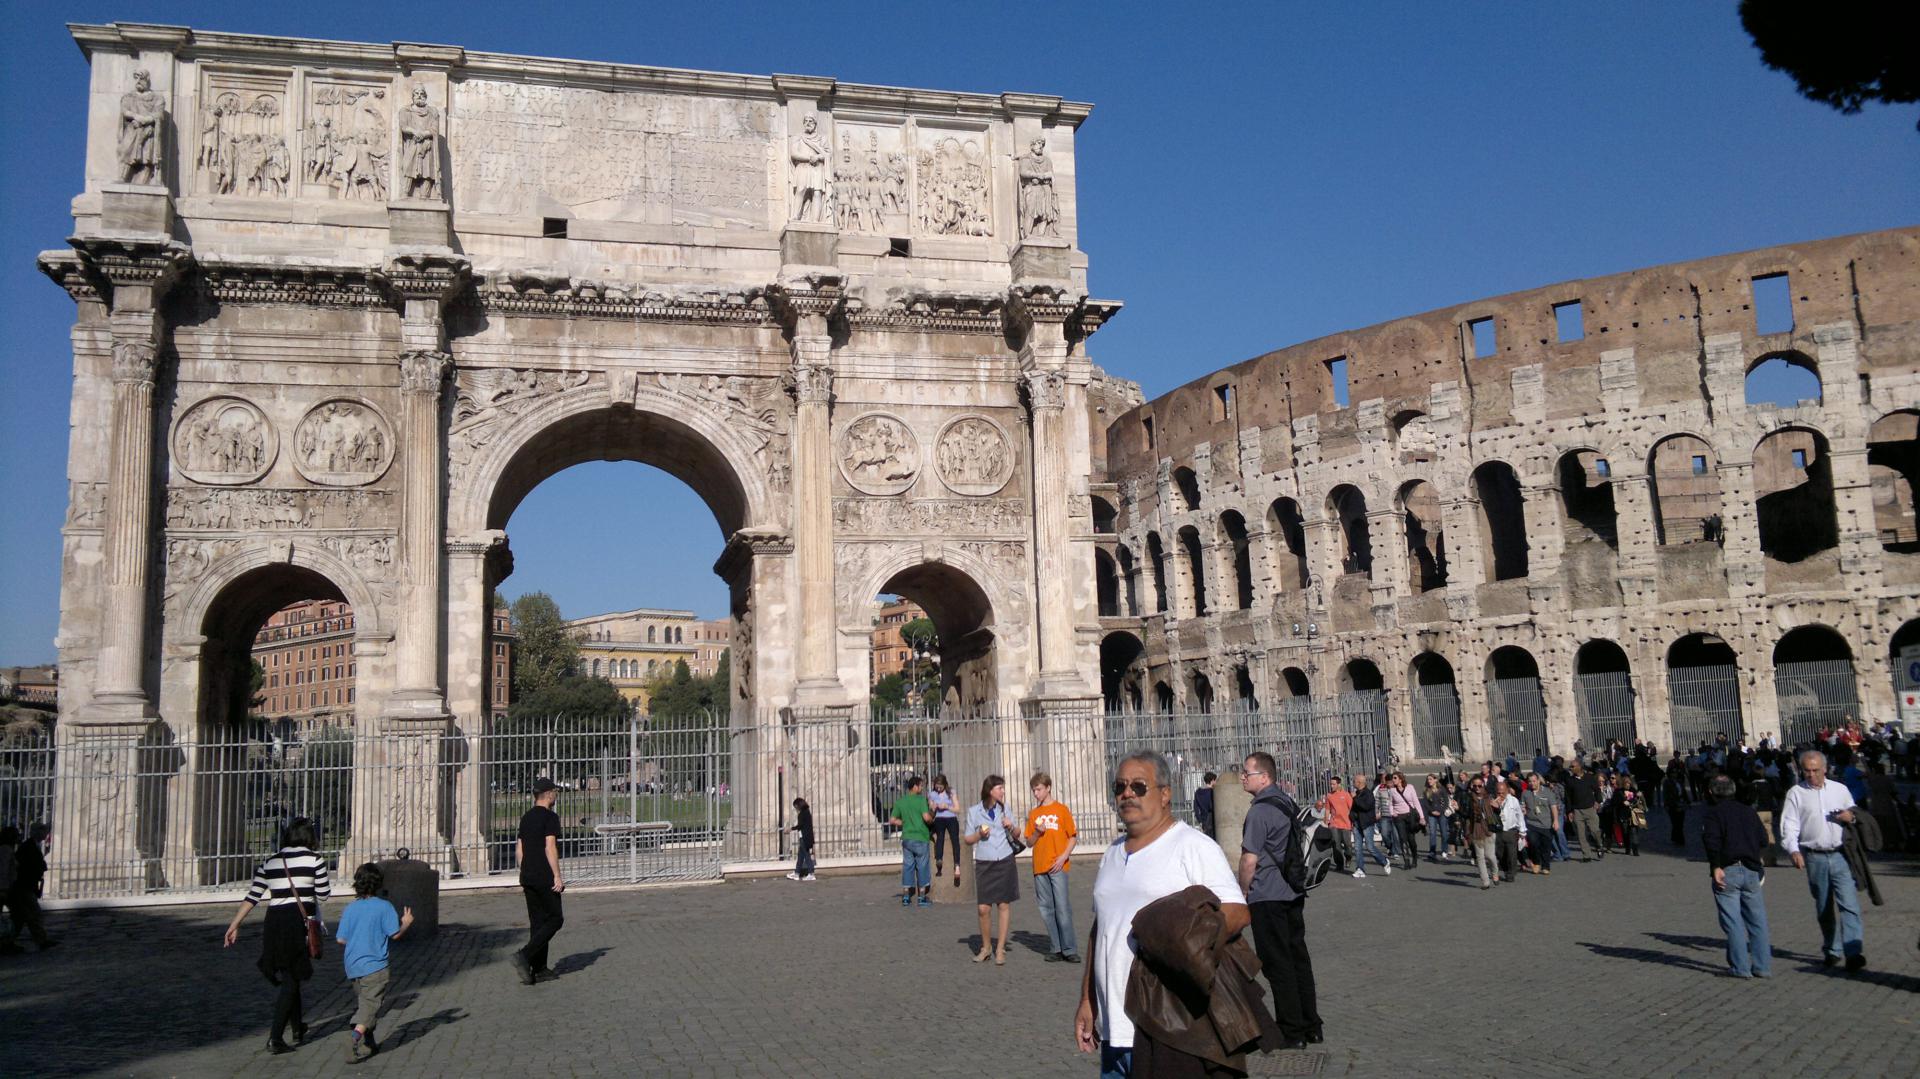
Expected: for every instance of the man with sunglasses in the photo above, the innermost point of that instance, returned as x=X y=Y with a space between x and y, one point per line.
x=1158 y=856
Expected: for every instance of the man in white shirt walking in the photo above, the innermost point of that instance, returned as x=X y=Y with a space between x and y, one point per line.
x=1810 y=831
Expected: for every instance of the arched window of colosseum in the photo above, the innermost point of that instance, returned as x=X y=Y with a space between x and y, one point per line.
x=1413 y=437
x=1813 y=683
x=1106 y=583
x=1586 y=491
x=1893 y=461
x=1118 y=654
x=1157 y=566
x=1686 y=491
x=1907 y=636
x=1793 y=484
x=1426 y=541
x=1244 y=696
x=1233 y=531
x=1703 y=690
x=1361 y=676
x=1516 y=710
x=1104 y=515
x=1163 y=698
x=1129 y=596
x=1503 y=521
x=1196 y=565
x=1347 y=508
x=1603 y=694
x=1201 y=698
x=1785 y=379
x=1287 y=533
x=1436 y=707
x=1294 y=681
x=1188 y=486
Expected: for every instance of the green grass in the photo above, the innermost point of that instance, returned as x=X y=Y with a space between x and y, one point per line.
x=684 y=811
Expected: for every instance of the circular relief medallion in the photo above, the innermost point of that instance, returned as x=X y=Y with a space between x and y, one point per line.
x=973 y=456
x=342 y=442
x=225 y=441
x=879 y=455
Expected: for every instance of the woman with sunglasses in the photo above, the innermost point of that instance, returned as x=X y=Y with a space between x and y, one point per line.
x=990 y=829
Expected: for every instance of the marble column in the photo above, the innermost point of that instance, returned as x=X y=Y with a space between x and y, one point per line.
x=813 y=522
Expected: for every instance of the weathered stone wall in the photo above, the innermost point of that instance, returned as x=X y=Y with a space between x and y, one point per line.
x=1648 y=499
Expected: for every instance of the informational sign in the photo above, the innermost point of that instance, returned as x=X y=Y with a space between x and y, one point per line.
x=1907 y=686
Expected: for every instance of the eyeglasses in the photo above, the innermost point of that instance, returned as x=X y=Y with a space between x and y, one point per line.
x=1138 y=787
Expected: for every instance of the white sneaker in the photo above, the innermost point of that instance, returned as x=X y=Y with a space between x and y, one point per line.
x=1387 y=869
x=809 y=876
x=791 y=875
x=1360 y=874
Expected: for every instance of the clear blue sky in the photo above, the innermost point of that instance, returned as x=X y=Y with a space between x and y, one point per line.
x=1261 y=175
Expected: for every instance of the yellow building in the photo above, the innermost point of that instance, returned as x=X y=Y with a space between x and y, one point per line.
x=633 y=648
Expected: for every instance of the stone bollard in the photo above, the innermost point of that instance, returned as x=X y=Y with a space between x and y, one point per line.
x=1230 y=805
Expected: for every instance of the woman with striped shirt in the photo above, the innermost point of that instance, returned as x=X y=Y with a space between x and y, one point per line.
x=293 y=882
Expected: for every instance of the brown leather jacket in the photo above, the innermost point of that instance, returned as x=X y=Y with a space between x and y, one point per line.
x=1188 y=990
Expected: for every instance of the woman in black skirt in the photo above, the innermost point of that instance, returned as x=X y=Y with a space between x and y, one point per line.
x=293 y=882
x=990 y=830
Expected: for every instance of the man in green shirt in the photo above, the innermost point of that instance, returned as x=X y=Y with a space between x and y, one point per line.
x=911 y=814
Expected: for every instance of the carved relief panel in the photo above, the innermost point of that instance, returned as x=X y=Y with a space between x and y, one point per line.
x=879 y=454
x=953 y=181
x=973 y=456
x=241 y=134
x=343 y=442
x=224 y=440
x=486 y=398
x=872 y=179
x=346 y=139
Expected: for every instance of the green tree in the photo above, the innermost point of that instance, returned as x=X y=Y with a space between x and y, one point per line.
x=546 y=652
x=1843 y=55
x=920 y=635
x=256 y=681
x=575 y=700
x=890 y=692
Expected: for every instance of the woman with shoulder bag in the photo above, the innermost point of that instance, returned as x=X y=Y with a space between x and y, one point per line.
x=293 y=882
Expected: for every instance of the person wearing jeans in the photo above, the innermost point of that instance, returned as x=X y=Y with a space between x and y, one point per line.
x=1439 y=801
x=912 y=815
x=1338 y=805
x=1735 y=842
x=1482 y=826
x=1811 y=832
x=1365 y=810
x=1051 y=830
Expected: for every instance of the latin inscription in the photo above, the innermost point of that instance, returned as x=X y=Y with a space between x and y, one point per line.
x=611 y=155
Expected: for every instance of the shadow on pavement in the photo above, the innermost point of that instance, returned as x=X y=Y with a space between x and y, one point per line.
x=579 y=961
x=415 y=1028
x=40 y=1001
x=1648 y=955
x=1719 y=945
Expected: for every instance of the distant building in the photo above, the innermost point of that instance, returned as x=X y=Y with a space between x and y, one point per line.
x=633 y=648
x=306 y=652
x=31 y=685
x=890 y=653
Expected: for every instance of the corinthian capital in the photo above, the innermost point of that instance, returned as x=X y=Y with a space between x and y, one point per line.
x=134 y=362
x=1046 y=390
x=423 y=370
x=813 y=384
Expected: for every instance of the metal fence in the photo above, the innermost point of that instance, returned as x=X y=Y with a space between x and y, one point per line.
x=1436 y=721
x=1517 y=716
x=1604 y=705
x=1704 y=702
x=1814 y=695
x=640 y=799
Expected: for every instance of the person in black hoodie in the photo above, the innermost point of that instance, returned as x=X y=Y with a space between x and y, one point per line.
x=23 y=898
x=1365 y=815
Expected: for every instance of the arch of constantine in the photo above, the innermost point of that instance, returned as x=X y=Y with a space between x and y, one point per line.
x=340 y=307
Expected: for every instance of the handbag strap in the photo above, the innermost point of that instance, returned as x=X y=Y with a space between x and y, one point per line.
x=291 y=886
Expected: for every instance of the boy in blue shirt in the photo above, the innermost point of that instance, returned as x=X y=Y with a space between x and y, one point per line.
x=366 y=927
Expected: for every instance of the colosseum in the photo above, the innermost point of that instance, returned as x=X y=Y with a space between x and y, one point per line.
x=1541 y=517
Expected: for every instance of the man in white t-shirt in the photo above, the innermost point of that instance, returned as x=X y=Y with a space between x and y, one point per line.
x=1158 y=856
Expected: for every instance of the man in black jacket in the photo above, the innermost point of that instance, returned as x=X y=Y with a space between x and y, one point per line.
x=1735 y=840
x=1365 y=815
x=1583 y=810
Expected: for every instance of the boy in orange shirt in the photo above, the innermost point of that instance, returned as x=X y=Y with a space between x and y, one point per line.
x=1050 y=829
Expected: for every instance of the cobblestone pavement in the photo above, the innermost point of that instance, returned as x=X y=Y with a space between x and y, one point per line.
x=1612 y=969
